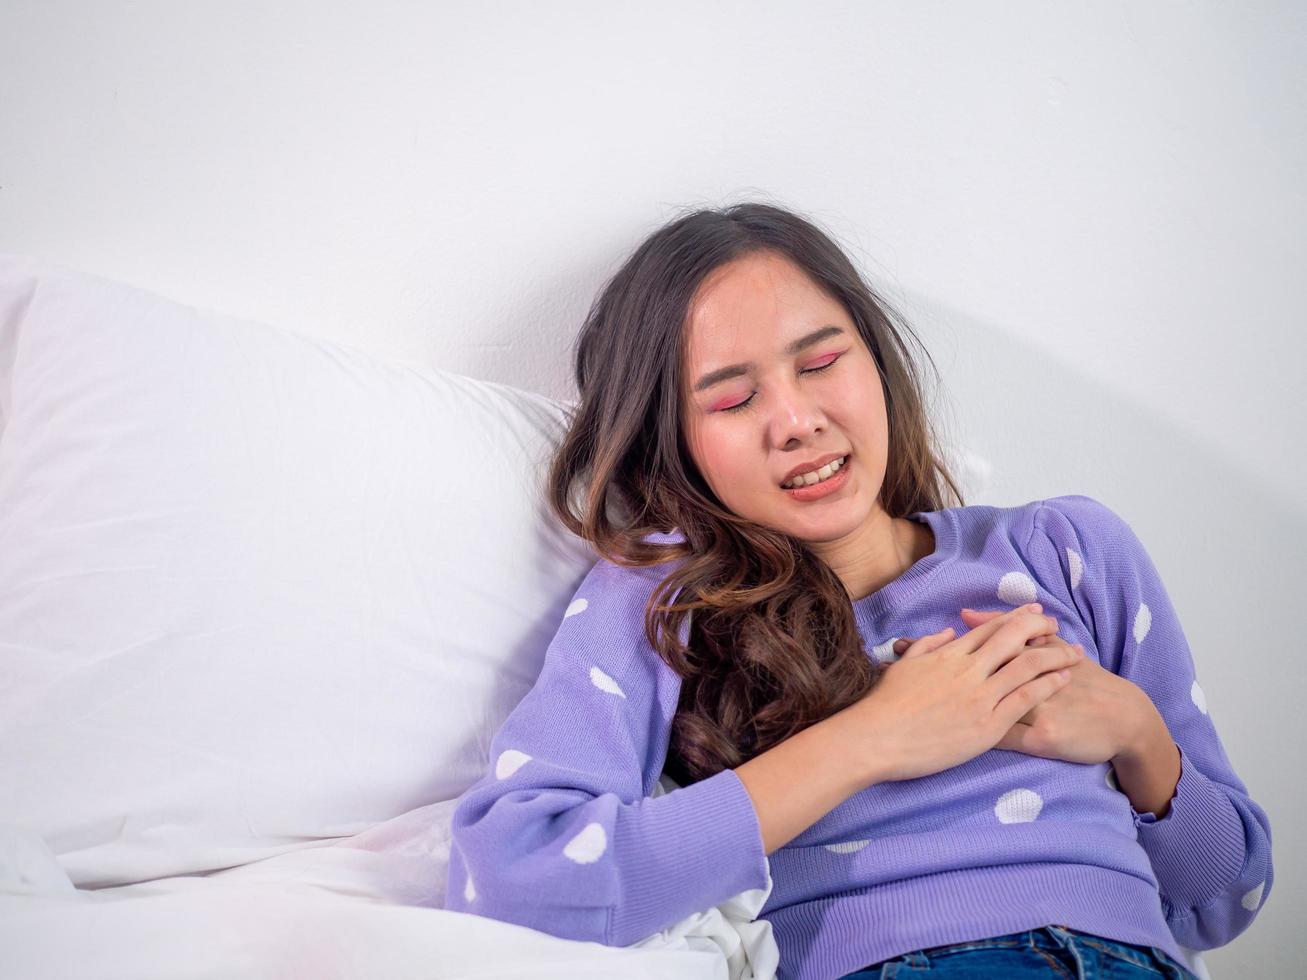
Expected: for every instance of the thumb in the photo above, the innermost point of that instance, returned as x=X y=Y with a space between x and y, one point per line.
x=1015 y=739
x=1023 y=738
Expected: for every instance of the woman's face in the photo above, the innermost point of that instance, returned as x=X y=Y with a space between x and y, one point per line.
x=808 y=390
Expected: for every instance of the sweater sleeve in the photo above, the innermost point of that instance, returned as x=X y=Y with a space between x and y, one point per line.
x=1211 y=851
x=561 y=834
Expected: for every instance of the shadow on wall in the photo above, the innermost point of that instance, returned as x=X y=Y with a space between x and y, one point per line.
x=1231 y=550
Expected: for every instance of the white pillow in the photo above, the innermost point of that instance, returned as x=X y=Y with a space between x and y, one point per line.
x=257 y=590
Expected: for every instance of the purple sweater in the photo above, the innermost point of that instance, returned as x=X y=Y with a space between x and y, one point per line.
x=562 y=836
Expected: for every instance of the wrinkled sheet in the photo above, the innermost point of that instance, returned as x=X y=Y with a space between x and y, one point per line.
x=359 y=907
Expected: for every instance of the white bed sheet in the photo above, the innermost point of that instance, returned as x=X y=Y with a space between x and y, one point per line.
x=354 y=908
x=360 y=907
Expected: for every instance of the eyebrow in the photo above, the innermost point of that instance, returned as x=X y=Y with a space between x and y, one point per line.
x=735 y=370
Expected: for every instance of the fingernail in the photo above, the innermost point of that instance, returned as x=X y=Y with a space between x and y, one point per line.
x=1035 y=607
x=965 y=609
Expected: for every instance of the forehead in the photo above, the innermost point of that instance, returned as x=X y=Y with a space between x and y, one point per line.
x=752 y=301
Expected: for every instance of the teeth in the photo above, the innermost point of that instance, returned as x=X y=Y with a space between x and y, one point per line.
x=816 y=476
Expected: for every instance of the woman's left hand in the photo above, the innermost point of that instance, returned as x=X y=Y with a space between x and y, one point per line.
x=1090 y=720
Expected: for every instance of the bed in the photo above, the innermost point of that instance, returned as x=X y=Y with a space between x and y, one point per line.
x=264 y=600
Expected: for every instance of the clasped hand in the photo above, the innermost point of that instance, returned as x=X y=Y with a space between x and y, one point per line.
x=1089 y=720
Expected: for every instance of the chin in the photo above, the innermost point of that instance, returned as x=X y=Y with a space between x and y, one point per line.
x=829 y=528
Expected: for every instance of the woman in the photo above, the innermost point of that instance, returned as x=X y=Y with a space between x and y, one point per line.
x=1030 y=790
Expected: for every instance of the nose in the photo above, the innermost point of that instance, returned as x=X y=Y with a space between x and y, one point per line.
x=797 y=419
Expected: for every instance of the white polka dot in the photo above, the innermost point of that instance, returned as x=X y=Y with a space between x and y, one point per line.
x=1077 y=566
x=1111 y=779
x=605 y=683
x=469 y=892
x=1199 y=698
x=1143 y=622
x=587 y=846
x=1017 y=589
x=1018 y=806
x=884 y=652
x=847 y=847
x=1253 y=898
x=509 y=762
x=578 y=605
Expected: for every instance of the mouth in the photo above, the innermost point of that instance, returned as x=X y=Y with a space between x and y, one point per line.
x=817 y=477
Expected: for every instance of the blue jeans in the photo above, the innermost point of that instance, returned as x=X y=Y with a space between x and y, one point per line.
x=1050 y=951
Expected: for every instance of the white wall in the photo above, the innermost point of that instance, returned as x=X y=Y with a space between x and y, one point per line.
x=1093 y=214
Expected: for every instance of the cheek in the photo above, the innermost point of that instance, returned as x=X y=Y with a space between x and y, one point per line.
x=720 y=461
x=724 y=459
x=862 y=404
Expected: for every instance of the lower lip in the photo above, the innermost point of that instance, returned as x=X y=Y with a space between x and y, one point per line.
x=823 y=489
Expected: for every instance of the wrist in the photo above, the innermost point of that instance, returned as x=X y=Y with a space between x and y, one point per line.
x=869 y=762
x=1148 y=767
x=1143 y=729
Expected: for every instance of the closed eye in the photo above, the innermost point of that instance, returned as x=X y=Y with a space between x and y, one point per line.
x=817 y=370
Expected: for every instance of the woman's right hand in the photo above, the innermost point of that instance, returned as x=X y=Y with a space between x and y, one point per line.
x=947 y=700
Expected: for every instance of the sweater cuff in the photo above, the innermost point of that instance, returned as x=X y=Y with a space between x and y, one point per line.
x=1197 y=849
x=684 y=852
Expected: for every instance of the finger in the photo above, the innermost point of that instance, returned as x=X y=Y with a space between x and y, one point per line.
x=1026 y=683
x=1025 y=664
x=1032 y=716
x=1011 y=739
x=978 y=616
x=970 y=618
x=1023 y=738
x=1057 y=641
x=1053 y=640
x=1029 y=664
x=970 y=641
x=1009 y=634
x=928 y=643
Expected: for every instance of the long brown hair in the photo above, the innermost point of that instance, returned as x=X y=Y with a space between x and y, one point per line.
x=773 y=646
